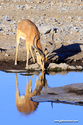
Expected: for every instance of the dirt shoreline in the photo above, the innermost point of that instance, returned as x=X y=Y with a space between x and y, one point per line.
x=66 y=18
x=9 y=64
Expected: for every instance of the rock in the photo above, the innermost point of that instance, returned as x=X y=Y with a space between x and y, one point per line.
x=79 y=67
x=5 y=18
x=11 y=33
x=7 y=54
x=70 y=17
x=62 y=66
x=52 y=66
x=72 y=93
x=59 y=67
x=79 y=18
x=81 y=48
x=39 y=1
x=33 y=67
x=28 y=6
x=71 y=68
x=21 y=7
x=74 y=30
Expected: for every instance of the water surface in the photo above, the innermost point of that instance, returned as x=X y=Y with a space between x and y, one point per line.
x=45 y=113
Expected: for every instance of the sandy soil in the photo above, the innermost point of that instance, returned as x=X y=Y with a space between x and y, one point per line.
x=58 y=14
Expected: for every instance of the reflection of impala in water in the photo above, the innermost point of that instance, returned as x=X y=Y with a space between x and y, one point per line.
x=23 y=103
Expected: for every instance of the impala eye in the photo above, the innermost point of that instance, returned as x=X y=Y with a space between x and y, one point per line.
x=41 y=79
x=41 y=60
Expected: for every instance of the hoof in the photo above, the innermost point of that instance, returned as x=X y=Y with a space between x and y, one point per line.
x=34 y=61
x=27 y=67
x=15 y=64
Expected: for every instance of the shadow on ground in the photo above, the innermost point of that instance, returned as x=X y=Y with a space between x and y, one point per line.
x=66 y=51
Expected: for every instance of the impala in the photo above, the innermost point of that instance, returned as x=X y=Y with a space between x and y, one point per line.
x=27 y=30
x=23 y=102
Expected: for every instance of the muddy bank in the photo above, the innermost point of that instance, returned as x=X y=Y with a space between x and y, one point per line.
x=9 y=65
x=64 y=17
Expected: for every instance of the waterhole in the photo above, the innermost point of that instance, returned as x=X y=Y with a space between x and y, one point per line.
x=16 y=89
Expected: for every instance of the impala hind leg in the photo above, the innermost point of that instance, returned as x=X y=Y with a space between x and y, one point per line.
x=32 y=53
x=17 y=50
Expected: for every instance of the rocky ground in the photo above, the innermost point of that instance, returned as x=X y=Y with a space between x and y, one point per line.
x=64 y=17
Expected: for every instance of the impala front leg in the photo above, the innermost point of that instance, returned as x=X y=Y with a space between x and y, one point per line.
x=32 y=53
x=27 y=47
x=28 y=88
x=17 y=50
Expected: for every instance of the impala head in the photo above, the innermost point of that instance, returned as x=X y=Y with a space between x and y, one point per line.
x=41 y=60
x=42 y=57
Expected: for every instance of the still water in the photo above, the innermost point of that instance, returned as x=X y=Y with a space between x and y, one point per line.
x=44 y=113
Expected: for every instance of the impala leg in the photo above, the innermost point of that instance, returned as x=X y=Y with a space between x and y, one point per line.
x=29 y=85
x=17 y=50
x=32 y=53
x=16 y=81
x=27 y=47
x=36 y=84
x=17 y=90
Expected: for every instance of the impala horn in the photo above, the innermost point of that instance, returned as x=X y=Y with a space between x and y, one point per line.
x=36 y=47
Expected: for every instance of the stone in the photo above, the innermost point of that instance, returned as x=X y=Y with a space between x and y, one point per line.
x=72 y=68
x=72 y=94
x=62 y=66
x=11 y=33
x=5 y=18
x=79 y=67
x=81 y=48
x=33 y=67
x=6 y=54
x=28 y=6
x=52 y=66
x=39 y=1
x=79 y=18
x=21 y=7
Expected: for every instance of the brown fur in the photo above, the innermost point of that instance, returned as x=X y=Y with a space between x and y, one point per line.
x=28 y=30
x=23 y=103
